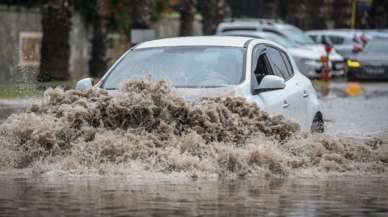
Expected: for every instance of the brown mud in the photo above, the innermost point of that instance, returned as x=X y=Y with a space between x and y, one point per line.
x=146 y=127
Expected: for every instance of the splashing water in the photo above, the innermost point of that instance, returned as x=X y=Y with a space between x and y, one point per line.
x=147 y=128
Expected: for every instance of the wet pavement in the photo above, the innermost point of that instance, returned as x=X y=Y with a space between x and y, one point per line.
x=356 y=116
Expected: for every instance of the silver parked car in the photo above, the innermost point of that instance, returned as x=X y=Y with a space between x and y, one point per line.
x=346 y=42
x=311 y=66
x=308 y=60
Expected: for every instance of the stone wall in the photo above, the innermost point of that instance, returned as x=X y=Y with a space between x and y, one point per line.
x=20 y=36
x=12 y=23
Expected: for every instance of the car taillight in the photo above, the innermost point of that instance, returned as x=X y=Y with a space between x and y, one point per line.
x=328 y=48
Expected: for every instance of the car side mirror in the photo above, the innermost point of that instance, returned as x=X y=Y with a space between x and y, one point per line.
x=84 y=84
x=269 y=83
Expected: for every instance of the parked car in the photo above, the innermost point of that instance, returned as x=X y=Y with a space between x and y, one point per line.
x=376 y=33
x=308 y=60
x=291 y=33
x=256 y=69
x=346 y=42
x=371 y=63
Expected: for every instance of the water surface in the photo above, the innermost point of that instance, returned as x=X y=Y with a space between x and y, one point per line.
x=121 y=196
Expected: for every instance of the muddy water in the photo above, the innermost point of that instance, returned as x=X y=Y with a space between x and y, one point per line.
x=120 y=196
x=7 y=110
x=146 y=152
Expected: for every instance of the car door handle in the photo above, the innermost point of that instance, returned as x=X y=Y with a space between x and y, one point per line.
x=285 y=104
x=305 y=94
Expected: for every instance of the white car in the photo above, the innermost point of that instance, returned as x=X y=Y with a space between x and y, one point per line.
x=346 y=42
x=308 y=60
x=206 y=66
x=291 y=33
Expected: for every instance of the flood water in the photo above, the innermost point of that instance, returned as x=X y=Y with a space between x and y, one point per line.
x=61 y=193
x=72 y=196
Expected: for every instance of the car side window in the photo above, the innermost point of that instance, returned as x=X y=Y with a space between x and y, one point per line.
x=313 y=37
x=278 y=65
x=286 y=60
x=337 y=40
x=261 y=65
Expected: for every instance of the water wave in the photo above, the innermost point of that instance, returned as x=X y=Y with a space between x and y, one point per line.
x=146 y=127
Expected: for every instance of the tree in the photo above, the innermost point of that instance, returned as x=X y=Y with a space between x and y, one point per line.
x=213 y=13
x=187 y=12
x=55 y=49
x=96 y=15
x=100 y=23
x=379 y=14
x=141 y=14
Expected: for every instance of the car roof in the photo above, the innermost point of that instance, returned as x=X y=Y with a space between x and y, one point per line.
x=247 y=33
x=230 y=41
x=254 y=25
x=338 y=32
x=380 y=39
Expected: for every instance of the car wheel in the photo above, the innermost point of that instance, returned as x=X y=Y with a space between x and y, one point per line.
x=318 y=125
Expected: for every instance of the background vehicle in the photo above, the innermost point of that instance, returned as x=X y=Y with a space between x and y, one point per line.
x=346 y=42
x=258 y=70
x=291 y=33
x=307 y=59
x=373 y=33
x=371 y=63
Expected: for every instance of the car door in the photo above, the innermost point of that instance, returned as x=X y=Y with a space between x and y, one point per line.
x=294 y=93
x=274 y=102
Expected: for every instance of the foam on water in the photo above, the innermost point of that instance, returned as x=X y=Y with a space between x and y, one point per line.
x=147 y=128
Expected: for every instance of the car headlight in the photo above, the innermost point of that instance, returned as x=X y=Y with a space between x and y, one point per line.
x=353 y=63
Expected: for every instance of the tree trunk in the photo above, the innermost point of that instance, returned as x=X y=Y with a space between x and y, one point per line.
x=213 y=13
x=55 y=49
x=97 y=62
x=187 y=13
x=141 y=14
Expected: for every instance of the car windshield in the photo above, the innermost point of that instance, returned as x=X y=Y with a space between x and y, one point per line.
x=297 y=36
x=376 y=46
x=182 y=66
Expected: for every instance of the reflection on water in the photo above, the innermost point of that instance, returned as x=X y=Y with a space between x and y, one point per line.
x=120 y=196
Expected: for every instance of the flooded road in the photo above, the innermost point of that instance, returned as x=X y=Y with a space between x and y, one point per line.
x=120 y=196
x=357 y=116
x=67 y=187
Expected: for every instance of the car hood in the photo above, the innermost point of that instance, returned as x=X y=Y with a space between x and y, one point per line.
x=193 y=94
x=197 y=93
x=373 y=58
x=305 y=53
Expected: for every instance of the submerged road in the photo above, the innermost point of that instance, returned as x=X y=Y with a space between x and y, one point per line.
x=361 y=115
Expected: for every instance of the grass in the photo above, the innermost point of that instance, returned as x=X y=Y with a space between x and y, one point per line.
x=29 y=90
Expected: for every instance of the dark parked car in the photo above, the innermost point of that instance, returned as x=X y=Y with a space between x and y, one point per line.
x=371 y=63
